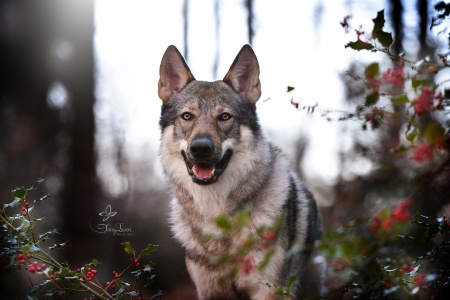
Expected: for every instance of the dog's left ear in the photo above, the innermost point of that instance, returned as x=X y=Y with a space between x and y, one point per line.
x=174 y=73
x=243 y=75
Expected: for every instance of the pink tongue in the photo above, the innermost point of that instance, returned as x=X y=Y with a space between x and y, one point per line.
x=203 y=171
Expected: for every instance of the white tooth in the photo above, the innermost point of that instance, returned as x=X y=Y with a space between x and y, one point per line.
x=213 y=171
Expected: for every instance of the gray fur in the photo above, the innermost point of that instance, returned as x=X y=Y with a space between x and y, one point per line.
x=235 y=168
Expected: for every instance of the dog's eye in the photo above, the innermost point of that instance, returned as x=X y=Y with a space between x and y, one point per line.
x=187 y=116
x=225 y=117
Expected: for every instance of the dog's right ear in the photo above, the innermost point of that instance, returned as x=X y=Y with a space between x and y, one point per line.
x=174 y=73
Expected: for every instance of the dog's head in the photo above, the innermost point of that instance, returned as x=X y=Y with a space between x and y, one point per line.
x=205 y=119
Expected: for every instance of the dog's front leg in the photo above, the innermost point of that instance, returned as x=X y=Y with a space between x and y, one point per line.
x=208 y=282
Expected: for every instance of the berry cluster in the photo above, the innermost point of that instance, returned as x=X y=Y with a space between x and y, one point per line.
x=398 y=215
x=89 y=275
x=268 y=239
x=135 y=262
x=25 y=209
x=21 y=260
x=33 y=266
x=248 y=264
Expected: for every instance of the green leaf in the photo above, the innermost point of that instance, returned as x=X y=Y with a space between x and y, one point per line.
x=119 y=293
x=372 y=99
x=19 y=192
x=25 y=226
x=150 y=248
x=128 y=249
x=290 y=88
x=224 y=222
x=133 y=294
x=66 y=243
x=400 y=100
x=45 y=197
x=359 y=45
x=383 y=37
x=242 y=218
x=95 y=262
x=434 y=133
x=36 y=184
x=267 y=257
x=417 y=81
x=372 y=70
x=412 y=135
x=26 y=249
x=14 y=203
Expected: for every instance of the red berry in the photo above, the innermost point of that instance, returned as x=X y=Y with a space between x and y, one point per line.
x=35 y=263
x=94 y=272
x=78 y=270
x=24 y=209
x=131 y=259
x=269 y=235
x=137 y=265
x=107 y=283
x=28 y=255
x=27 y=204
x=43 y=266
x=22 y=262
x=136 y=261
x=20 y=256
x=39 y=269
x=31 y=269
x=113 y=286
x=51 y=277
x=89 y=269
x=83 y=280
x=89 y=278
x=24 y=214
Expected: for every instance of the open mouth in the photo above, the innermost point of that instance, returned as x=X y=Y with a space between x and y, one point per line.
x=205 y=173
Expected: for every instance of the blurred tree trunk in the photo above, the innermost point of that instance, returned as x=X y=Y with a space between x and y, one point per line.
x=41 y=43
x=76 y=19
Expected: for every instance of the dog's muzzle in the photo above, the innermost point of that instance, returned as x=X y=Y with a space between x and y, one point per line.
x=203 y=169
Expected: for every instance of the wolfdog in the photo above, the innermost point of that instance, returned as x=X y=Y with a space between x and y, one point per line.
x=218 y=162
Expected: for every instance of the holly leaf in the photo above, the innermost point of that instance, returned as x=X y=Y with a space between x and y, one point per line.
x=14 y=203
x=400 y=100
x=128 y=249
x=416 y=82
x=19 y=192
x=434 y=133
x=150 y=248
x=360 y=45
x=412 y=135
x=36 y=184
x=372 y=70
x=372 y=98
x=385 y=38
x=224 y=222
x=94 y=262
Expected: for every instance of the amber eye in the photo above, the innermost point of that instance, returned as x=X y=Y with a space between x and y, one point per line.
x=225 y=117
x=186 y=116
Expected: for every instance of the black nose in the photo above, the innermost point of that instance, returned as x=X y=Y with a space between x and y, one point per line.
x=202 y=147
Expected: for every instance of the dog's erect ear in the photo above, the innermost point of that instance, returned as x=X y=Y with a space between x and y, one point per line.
x=243 y=75
x=174 y=73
